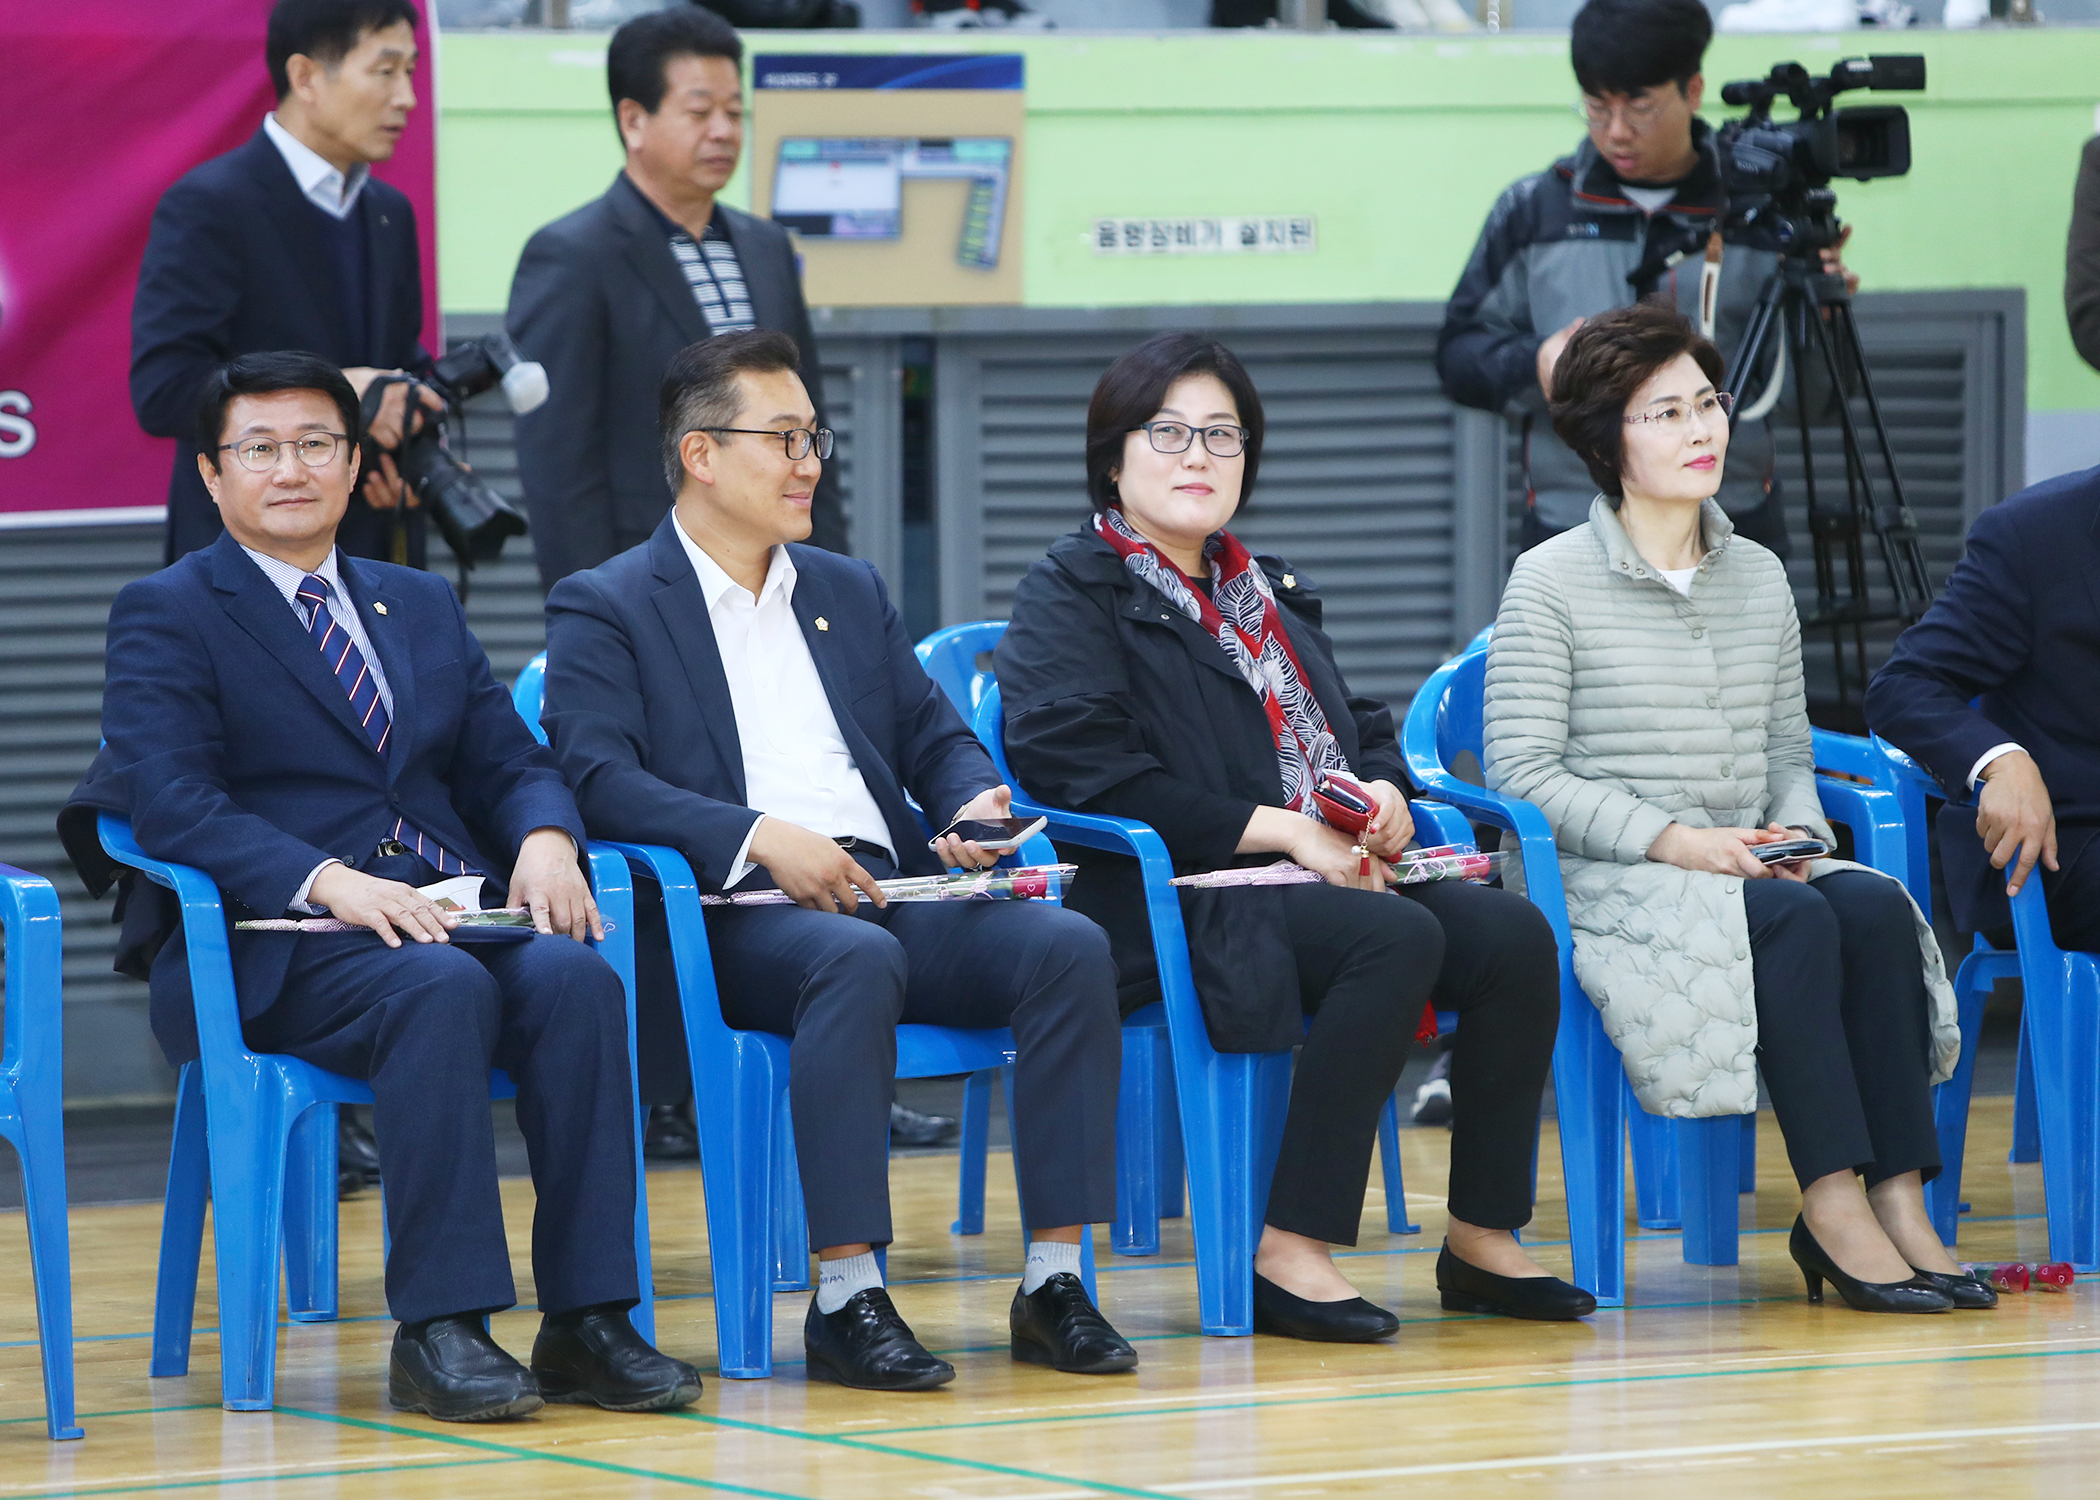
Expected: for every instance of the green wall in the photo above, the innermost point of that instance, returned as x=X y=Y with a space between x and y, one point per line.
x=1398 y=145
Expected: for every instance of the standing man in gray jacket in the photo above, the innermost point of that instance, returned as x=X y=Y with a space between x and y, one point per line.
x=1627 y=216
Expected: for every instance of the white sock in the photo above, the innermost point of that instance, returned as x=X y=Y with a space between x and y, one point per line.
x=1045 y=1259
x=837 y=1280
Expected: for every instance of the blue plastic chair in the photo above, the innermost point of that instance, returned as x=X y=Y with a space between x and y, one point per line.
x=32 y=1087
x=257 y=1133
x=1231 y=1103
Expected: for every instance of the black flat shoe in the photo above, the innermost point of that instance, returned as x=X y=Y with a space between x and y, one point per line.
x=1290 y=1316
x=1059 y=1326
x=449 y=1368
x=669 y=1136
x=1967 y=1293
x=866 y=1345
x=593 y=1357
x=1913 y=1296
x=1543 y=1299
x=908 y=1127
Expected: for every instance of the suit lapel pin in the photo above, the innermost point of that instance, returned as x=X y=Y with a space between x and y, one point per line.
x=822 y=623
x=378 y=608
x=1290 y=580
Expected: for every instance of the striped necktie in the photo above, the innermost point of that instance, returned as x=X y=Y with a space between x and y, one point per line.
x=339 y=650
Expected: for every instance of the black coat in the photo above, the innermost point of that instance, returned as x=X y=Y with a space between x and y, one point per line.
x=1118 y=703
x=236 y=264
x=599 y=299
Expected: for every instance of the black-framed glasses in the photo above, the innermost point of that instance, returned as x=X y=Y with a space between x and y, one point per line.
x=797 y=440
x=316 y=450
x=1220 y=441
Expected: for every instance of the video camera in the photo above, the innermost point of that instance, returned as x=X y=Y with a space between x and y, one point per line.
x=1782 y=169
x=474 y=520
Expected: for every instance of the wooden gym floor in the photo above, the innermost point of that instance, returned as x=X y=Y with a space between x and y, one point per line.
x=1714 y=1382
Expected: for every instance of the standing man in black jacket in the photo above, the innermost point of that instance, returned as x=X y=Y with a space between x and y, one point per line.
x=289 y=242
x=604 y=297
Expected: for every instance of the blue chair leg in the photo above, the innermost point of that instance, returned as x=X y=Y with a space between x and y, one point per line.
x=43 y=1162
x=790 y=1211
x=1173 y=1169
x=1396 y=1220
x=1746 y=1160
x=1136 y=1227
x=738 y=1170
x=310 y=1217
x=2027 y=1126
x=181 y=1229
x=1226 y=1101
x=1950 y=1105
x=1589 y=1094
x=975 y=1146
x=2066 y=1033
x=1709 y=1168
x=247 y=1177
x=1656 y=1186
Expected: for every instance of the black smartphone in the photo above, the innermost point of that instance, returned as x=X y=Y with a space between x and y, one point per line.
x=1001 y=836
x=1791 y=850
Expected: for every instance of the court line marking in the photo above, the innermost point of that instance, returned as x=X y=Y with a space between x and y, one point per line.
x=287 y=1475
x=134 y=1411
x=1624 y=1455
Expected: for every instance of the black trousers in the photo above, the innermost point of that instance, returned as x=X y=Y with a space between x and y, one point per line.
x=1844 y=1025
x=1366 y=963
x=424 y=1023
x=840 y=985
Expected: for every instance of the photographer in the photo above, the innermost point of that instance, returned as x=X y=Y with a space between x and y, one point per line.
x=289 y=242
x=1628 y=216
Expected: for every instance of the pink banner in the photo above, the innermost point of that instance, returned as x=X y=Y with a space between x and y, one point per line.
x=108 y=102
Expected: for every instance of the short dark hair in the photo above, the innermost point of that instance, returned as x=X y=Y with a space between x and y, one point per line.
x=1133 y=389
x=1608 y=359
x=639 y=56
x=259 y=375
x=326 y=31
x=1624 y=46
x=700 y=390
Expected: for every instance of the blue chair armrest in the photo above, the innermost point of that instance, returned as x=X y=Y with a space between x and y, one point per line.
x=29 y=918
x=1880 y=833
x=1440 y=823
x=204 y=930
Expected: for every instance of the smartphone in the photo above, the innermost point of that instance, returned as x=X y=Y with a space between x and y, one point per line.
x=1791 y=850
x=1002 y=836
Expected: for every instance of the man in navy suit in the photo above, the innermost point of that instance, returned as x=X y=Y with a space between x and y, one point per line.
x=757 y=704
x=324 y=737
x=289 y=242
x=1996 y=691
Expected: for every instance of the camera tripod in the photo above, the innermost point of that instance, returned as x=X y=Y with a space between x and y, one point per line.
x=1809 y=312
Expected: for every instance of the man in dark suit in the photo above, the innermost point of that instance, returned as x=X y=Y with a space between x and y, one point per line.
x=757 y=705
x=324 y=737
x=289 y=242
x=604 y=297
x=2017 y=632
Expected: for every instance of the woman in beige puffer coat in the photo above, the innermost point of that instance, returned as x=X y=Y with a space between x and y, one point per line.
x=1644 y=689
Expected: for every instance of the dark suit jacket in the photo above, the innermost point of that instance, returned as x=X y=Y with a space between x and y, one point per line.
x=639 y=714
x=601 y=302
x=1118 y=703
x=2018 y=631
x=236 y=265
x=230 y=746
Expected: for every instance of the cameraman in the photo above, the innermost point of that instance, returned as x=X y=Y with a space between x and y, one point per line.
x=289 y=242
x=1627 y=216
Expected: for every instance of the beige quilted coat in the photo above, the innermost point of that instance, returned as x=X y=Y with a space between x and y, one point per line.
x=1619 y=706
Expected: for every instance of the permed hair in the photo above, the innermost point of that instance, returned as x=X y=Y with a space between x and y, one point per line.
x=1132 y=391
x=700 y=391
x=326 y=31
x=1607 y=360
x=1624 y=46
x=261 y=375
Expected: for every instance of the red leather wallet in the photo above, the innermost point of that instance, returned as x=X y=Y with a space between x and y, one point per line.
x=1347 y=805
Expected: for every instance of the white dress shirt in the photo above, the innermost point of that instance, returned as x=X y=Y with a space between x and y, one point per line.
x=326 y=186
x=796 y=764
x=1983 y=760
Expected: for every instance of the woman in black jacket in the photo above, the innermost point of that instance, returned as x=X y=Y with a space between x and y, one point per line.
x=1154 y=670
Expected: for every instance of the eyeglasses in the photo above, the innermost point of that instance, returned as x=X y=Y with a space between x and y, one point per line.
x=1640 y=114
x=1221 y=441
x=796 y=440
x=316 y=450
x=1712 y=409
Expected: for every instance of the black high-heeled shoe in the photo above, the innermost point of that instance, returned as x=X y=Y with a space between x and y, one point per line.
x=1546 y=1299
x=1912 y=1296
x=1967 y=1291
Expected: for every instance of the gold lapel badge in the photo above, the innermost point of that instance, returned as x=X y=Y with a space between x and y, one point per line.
x=379 y=608
x=822 y=623
x=1290 y=580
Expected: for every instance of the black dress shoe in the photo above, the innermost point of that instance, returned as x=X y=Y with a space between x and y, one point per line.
x=349 y=1185
x=593 y=1357
x=1544 y=1299
x=451 y=1369
x=1058 y=1325
x=669 y=1135
x=910 y=1128
x=866 y=1345
x=356 y=1148
x=1968 y=1292
x=1354 y=1321
x=1913 y=1296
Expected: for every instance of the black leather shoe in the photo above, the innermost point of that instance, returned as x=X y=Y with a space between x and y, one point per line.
x=1545 y=1299
x=1968 y=1293
x=593 y=1357
x=910 y=1128
x=866 y=1345
x=1059 y=1326
x=356 y=1148
x=1291 y=1316
x=669 y=1135
x=349 y=1185
x=1912 y=1296
x=451 y=1369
